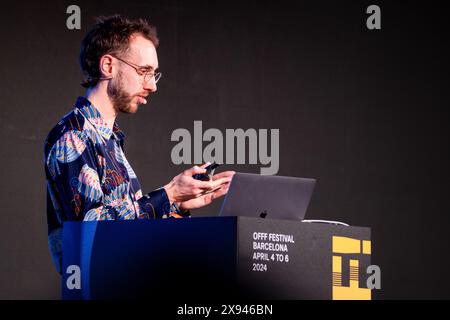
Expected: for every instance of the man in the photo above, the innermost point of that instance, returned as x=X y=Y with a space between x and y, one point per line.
x=88 y=175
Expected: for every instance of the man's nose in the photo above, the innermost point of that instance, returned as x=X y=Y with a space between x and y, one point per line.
x=150 y=85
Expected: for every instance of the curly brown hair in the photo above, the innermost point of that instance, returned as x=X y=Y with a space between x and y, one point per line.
x=110 y=35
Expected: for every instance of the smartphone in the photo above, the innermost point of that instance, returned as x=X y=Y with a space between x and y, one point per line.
x=209 y=172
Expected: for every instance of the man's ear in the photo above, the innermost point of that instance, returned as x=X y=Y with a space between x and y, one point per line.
x=106 y=67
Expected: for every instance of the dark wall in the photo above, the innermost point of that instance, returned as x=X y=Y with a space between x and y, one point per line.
x=364 y=112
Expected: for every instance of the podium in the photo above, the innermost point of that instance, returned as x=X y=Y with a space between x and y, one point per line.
x=214 y=258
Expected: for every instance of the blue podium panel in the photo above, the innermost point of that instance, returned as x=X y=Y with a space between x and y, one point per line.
x=214 y=258
x=148 y=258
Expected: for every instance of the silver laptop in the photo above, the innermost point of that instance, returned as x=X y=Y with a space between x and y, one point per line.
x=272 y=197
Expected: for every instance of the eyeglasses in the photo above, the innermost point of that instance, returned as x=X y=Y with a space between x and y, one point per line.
x=143 y=71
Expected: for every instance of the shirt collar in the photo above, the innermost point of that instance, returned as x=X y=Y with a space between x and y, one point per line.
x=95 y=118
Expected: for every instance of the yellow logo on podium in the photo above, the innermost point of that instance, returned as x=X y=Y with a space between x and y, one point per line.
x=344 y=245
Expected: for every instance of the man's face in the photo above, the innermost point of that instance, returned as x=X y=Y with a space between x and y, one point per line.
x=128 y=89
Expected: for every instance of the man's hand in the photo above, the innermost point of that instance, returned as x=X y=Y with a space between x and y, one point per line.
x=184 y=188
x=207 y=198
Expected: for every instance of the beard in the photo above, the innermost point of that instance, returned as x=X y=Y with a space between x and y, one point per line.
x=121 y=100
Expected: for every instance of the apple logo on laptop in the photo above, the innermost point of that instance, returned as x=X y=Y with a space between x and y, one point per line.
x=263 y=214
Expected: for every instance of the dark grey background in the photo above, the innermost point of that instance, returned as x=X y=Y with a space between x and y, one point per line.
x=364 y=112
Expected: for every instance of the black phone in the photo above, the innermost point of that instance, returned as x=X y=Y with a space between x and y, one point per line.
x=206 y=176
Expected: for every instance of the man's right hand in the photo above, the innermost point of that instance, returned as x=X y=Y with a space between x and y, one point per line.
x=184 y=187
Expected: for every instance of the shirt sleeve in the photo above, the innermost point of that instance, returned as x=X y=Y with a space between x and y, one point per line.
x=154 y=205
x=73 y=172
